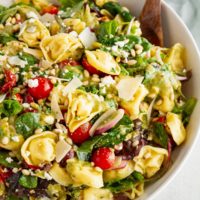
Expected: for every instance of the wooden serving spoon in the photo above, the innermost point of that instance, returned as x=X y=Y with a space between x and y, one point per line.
x=151 y=23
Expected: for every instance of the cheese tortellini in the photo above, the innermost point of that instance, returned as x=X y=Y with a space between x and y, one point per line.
x=150 y=160
x=137 y=191
x=60 y=175
x=84 y=173
x=175 y=58
x=133 y=106
x=97 y=194
x=118 y=174
x=9 y=139
x=176 y=127
x=61 y=47
x=32 y=32
x=76 y=24
x=39 y=148
x=103 y=61
x=82 y=107
x=37 y=3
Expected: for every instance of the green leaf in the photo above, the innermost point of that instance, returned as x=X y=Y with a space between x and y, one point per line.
x=160 y=136
x=4 y=162
x=84 y=151
x=69 y=3
x=107 y=29
x=10 y=108
x=29 y=182
x=27 y=123
x=125 y=184
x=12 y=197
x=113 y=8
x=186 y=110
x=5 y=38
x=31 y=60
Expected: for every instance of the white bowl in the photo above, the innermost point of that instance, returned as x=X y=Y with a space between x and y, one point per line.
x=176 y=31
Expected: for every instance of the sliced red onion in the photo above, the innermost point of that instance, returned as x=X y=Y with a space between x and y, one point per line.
x=108 y=120
x=119 y=163
x=181 y=78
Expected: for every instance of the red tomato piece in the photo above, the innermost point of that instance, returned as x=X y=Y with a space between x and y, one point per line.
x=90 y=68
x=81 y=134
x=28 y=98
x=10 y=81
x=43 y=89
x=51 y=10
x=161 y=119
x=104 y=158
x=18 y=97
x=69 y=63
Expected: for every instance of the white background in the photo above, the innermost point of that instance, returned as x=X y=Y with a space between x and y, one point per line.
x=186 y=185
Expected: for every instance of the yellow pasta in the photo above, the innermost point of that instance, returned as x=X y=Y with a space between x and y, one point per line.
x=103 y=62
x=150 y=160
x=97 y=194
x=39 y=148
x=32 y=32
x=61 y=47
x=82 y=107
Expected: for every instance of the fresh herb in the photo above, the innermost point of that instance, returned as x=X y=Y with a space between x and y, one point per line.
x=115 y=136
x=186 y=110
x=111 y=103
x=69 y=72
x=29 y=182
x=31 y=60
x=12 y=197
x=160 y=135
x=5 y=38
x=115 y=8
x=10 y=108
x=69 y=3
x=4 y=162
x=27 y=123
x=125 y=184
x=107 y=29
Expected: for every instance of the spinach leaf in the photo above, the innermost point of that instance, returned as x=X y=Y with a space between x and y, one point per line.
x=29 y=182
x=125 y=184
x=159 y=134
x=85 y=150
x=186 y=110
x=5 y=38
x=4 y=162
x=12 y=197
x=31 y=60
x=27 y=123
x=107 y=29
x=115 y=136
x=115 y=8
x=10 y=108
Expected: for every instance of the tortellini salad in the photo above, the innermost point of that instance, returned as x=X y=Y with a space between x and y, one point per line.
x=89 y=108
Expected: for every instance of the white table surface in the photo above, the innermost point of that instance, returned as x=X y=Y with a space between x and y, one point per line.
x=186 y=185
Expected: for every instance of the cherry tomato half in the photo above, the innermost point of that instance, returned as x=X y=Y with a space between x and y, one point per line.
x=104 y=158
x=81 y=134
x=51 y=10
x=42 y=90
x=89 y=67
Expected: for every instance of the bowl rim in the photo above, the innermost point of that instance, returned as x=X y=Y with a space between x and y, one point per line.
x=171 y=177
